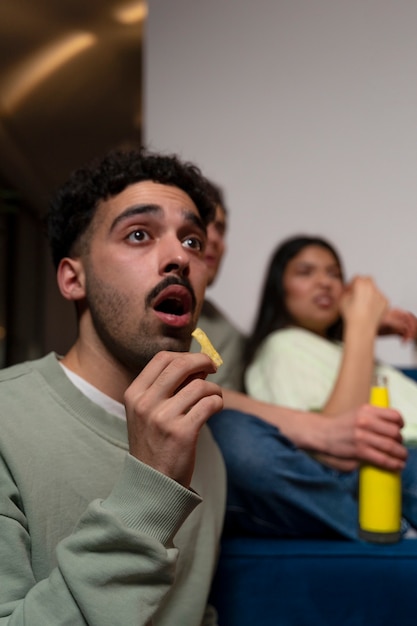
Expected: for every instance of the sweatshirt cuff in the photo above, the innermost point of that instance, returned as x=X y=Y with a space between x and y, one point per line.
x=150 y=502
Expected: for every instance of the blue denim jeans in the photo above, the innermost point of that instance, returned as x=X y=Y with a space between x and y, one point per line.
x=277 y=490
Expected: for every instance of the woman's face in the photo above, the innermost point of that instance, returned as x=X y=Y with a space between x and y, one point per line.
x=313 y=286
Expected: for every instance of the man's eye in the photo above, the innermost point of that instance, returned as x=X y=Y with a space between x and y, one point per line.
x=194 y=243
x=138 y=236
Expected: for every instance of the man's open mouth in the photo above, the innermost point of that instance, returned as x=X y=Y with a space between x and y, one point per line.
x=174 y=305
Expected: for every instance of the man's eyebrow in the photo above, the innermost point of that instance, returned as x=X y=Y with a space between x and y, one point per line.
x=196 y=220
x=137 y=209
x=155 y=209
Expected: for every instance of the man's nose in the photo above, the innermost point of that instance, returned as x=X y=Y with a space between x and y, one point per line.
x=174 y=258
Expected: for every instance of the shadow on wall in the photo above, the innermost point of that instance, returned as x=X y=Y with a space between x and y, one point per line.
x=34 y=318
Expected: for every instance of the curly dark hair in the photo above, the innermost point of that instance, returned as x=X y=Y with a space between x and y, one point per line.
x=74 y=204
x=272 y=311
x=217 y=194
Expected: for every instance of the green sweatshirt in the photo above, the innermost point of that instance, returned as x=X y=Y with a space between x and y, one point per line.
x=89 y=534
x=227 y=340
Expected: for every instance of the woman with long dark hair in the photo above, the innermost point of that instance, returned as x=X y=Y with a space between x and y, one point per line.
x=313 y=342
x=276 y=488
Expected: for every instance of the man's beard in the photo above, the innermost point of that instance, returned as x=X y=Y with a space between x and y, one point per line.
x=132 y=344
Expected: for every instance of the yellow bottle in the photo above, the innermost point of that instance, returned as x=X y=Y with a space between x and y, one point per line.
x=379 y=490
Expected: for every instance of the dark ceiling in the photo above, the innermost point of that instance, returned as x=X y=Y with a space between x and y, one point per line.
x=70 y=87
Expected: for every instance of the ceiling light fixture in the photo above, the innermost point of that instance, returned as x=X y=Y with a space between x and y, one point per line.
x=131 y=12
x=41 y=65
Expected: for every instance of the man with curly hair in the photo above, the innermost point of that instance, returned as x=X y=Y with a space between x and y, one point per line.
x=112 y=489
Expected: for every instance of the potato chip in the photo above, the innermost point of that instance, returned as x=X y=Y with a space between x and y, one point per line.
x=207 y=346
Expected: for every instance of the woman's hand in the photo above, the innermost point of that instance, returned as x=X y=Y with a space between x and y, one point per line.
x=363 y=303
x=368 y=434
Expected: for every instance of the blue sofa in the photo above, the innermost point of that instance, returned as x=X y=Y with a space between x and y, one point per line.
x=295 y=582
x=277 y=582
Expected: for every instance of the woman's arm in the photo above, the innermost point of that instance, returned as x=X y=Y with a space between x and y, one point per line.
x=367 y=434
x=300 y=370
x=362 y=308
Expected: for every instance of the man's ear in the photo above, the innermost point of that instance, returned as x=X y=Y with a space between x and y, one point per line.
x=71 y=278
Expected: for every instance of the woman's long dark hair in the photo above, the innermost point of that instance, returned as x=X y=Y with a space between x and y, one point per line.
x=272 y=313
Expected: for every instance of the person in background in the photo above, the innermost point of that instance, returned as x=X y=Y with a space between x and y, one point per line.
x=227 y=338
x=313 y=342
x=112 y=490
x=276 y=484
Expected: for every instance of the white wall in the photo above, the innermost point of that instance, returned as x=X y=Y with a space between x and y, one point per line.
x=306 y=112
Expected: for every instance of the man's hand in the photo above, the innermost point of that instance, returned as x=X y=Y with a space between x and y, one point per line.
x=399 y=322
x=369 y=434
x=166 y=406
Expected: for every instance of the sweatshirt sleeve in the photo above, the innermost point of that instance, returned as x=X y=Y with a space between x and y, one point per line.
x=116 y=566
